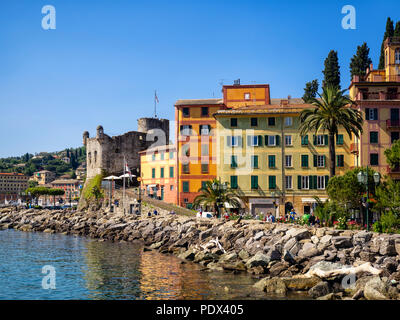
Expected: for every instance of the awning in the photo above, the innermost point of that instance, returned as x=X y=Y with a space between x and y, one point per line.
x=228 y=206
x=312 y=200
x=151 y=186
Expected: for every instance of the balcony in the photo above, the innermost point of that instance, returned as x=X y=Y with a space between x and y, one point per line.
x=396 y=169
x=354 y=148
x=392 y=124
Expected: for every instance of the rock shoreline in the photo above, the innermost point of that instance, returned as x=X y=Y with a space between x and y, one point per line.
x=326 y=263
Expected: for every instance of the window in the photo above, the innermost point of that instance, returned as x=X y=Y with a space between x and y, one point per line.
x=234 y=182
x=254 y=182
x=320 y=161
x=185 y=186
x=288 y=161
x=185 y=168
x=340 y=160
x=271 y=161
x=271 y=121
x=234 y=162
x=204 y=184
x=247 y=96
x=233 y=141
x=171 y=154
x=162 y=173
x=205 y=129
x=305 y=182
x=204 y=149
x=320 y=182
x=394 y=136
x=162 y=155
x=254 y=162
x=254 y=122
x=234 y=122
x=374 y=159
x=171 y=172
x=171 y=187
x=185 y=112
x=304 y=140
x=153 y=157
x=186 y=130
x=321 y=140
x=339 y=139
x=153 y=173
x=288 y=121
x=288 y=140
x=288 y=182
x=397 y=56
x=204 y=111
x=270 y=140
x=272 y=182
x=204 y=168
x=304 y=160
x=373 y=137
x=254 y=141
x=371 y=114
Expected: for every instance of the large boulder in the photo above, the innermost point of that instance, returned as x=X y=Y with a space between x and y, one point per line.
x=300 y=283
x=299 y=233
x=259 y=259
x=376 y=289
x=342 y=242
x=274 y=285
x=322 y=288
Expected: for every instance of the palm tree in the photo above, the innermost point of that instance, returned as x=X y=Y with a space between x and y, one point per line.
x=216 y=194
x=332 y=110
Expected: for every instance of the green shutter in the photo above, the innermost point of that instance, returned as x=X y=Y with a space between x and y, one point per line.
x=326 y=139
x=162 y=173
x=233 y=162
x=314 y=139
x=272 y=182
x=304 y=140
x=278 y=140
x=266 y=140
x=366 y=113
x=171 y=172
x=315 y=184
x=375 y=113
x=299 y=182
x=324 y=161
x=326 y=181
x=185 y=186
x=310 y=182
x=259 y=141
x=315 y=160
x=304 y=161
x=234 y=184
x=339 y=139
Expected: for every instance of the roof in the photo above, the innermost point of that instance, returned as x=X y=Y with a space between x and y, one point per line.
x=44 y=171
x=273 y=108
x=169 y=147
x=64 y=181
x=199 y=102
x=12 y=174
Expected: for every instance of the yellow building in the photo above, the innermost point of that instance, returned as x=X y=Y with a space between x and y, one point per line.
x=378 y=98
x=158 y=173
x=261 y=154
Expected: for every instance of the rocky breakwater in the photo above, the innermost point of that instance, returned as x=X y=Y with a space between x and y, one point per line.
x=325 y=263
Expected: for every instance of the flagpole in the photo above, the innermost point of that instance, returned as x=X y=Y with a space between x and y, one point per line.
x=155 y=104
x=123 y=177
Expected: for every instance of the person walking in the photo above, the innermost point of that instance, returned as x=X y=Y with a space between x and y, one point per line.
x=311 y=219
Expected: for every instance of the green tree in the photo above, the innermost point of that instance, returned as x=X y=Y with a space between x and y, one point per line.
x=333 y=111
x=215 y=194
x=396 y=32
x=360 y=61
x=393 y=155
x=54 y=193
x=331 y=71
x=389 y=32
x=310 y=91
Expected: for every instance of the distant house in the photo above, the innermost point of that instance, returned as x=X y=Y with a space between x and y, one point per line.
x=44 y=177
x=70 y=186
x=66 y=160
x=80 y=172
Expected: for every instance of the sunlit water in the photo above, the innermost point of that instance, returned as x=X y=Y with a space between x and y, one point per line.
x=89 y=269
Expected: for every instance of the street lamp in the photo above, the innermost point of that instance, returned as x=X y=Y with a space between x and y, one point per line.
x=362 y=178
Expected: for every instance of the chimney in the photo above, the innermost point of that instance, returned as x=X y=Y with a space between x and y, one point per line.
x=236 y=82
x=289 y=97
x=371 y=67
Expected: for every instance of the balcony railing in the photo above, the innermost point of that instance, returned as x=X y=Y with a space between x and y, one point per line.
x=354 y=148
x=377 y=96
x=392 y=124
x=396 y=169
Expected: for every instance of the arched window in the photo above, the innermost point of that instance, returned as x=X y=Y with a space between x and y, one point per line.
x=397 y=56
x=95 y=156
x=90 y=157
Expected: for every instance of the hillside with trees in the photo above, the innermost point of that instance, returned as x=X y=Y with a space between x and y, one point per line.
x=52 y=161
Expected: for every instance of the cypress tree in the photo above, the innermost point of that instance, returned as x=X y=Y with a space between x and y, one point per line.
x=389 y=32
x=332 y=70
x=360 y=61
x=397 y=30
x=310 y=91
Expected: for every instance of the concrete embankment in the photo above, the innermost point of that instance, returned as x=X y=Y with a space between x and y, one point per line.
x=327 y=263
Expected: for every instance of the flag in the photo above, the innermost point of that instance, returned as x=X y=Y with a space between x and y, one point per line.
x=155 y=97
x=128 y=171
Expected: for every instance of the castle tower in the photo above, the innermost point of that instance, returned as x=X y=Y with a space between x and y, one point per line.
x=100 y=132
x=85 y=137
x=147 y=124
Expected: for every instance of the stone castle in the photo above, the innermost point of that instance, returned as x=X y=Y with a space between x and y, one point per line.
x=106 y=154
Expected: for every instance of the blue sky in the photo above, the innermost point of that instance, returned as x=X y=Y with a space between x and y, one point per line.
x=105 y=59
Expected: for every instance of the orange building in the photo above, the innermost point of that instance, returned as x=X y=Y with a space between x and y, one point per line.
x=158 y=173
x=196 y=159
x=377 y=95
